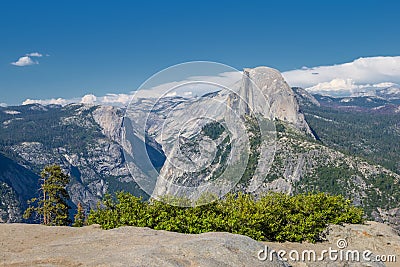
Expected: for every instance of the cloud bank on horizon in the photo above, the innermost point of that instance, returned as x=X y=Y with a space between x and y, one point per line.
x=108 y=99
x=360 y=75
x=170 y=89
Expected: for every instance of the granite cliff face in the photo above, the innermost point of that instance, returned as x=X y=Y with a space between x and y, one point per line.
x=266 y=83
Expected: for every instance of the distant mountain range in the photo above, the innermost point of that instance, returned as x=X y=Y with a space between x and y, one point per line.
x=361 y=103
x=338 y=145
x=391 y=92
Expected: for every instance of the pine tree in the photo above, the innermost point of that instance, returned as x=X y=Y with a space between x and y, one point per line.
x=79 y=218
x=52 y=205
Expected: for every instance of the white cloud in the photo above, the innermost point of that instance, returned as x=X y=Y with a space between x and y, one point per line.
x=116 y=99
x=108 y=99
x=171 y=94
x=384 y=85
x=27 y=60
x=3 y=105
x=56 y=101
x=335 y=85
x=34 y=54
x=360 y=74
x=88 y=99
x=24 y=61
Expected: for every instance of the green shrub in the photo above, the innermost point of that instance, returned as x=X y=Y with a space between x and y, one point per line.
x=274 y=216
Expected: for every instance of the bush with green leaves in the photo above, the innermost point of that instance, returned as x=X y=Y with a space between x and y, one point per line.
x=273 y=217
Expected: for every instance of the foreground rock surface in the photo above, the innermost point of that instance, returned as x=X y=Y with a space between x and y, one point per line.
x=378 y=238
x=37 y=245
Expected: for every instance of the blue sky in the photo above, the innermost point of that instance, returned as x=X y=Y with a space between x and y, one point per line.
x=102 y=47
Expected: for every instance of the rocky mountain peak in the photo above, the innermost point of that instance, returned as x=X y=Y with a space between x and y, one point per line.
x=109 y=119
x=304 y=98
x=264 y=90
